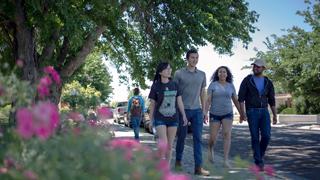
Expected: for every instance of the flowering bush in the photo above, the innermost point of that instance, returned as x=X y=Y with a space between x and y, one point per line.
x=46 y=145
x=87 y=153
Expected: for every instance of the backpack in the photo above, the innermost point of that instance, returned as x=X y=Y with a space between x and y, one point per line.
x=136 y=108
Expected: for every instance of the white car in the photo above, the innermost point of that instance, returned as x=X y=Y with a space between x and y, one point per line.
x=120 y=112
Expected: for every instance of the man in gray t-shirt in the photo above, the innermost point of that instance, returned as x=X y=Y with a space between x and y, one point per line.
x=192 y=82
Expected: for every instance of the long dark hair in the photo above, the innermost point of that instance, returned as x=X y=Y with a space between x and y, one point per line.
x=215 y=76
x=162 y=66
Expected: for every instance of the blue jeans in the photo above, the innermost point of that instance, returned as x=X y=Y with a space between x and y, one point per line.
x=135 y=123
x=195 y=116
x=259 y=123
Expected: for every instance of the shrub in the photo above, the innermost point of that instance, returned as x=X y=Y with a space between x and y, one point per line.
x=289 y=111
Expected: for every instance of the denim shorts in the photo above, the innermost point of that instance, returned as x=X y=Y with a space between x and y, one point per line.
x=158 y=122
x=216 y=118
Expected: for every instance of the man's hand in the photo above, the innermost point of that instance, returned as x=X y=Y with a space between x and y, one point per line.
x=205 y=118
x=275 y=120
x=185 y=120
x=243 y=117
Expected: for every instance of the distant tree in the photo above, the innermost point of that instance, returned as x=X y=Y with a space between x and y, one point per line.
x=94 y=73
x=80 y=98
x=294 y=61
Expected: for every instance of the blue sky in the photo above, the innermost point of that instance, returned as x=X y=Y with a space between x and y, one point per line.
x=275 y=15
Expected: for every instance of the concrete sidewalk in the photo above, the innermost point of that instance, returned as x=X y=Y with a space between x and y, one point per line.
x=217 y=170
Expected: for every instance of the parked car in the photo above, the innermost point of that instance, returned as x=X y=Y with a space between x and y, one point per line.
x=120 y=112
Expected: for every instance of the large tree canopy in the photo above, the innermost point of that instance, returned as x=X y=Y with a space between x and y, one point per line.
x=135 y=35
x=294 y=61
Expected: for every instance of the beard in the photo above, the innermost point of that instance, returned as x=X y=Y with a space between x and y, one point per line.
x=257 y=73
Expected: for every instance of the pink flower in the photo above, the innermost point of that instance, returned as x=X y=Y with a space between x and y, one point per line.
x=41 y=120
x=46 y=81
x=125 y=143
x=254 y=169
x=163 y=166
x=30 y=175
x=162 y=147
x=92 y=123
x=76 y=116
x=54 y=74
x=19 y=63
x=43 y=91
x=43 y=86
x=25 y=123
x=269 y=170
x=9 y=162
x=104 y=112
x=172 y=176
x=3 y=170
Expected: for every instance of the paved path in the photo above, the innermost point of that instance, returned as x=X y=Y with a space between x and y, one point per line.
x=217 y=170
x=294 y=150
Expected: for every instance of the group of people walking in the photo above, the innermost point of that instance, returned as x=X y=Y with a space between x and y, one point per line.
x=183 y=99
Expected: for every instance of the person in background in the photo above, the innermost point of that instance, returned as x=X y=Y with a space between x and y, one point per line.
x=135 y=111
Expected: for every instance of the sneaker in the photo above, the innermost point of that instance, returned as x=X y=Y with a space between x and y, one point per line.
x=202 y=172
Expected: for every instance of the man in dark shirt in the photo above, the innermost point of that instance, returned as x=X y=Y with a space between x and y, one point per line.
x=255 y=93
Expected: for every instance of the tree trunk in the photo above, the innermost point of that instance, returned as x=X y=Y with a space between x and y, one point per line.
x=25 y=43
x=24 y=50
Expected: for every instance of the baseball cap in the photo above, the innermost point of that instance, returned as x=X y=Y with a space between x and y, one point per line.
x=259 y=62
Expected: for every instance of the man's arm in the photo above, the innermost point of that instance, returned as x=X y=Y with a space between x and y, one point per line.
x=272 y=103
x=243 y=116
x=203 y=104
x=181 y=108
x=241 y=98
x=129 y=104
x=274 y=114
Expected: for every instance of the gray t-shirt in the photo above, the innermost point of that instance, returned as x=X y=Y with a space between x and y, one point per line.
x=221 y=98
x=190 y=85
